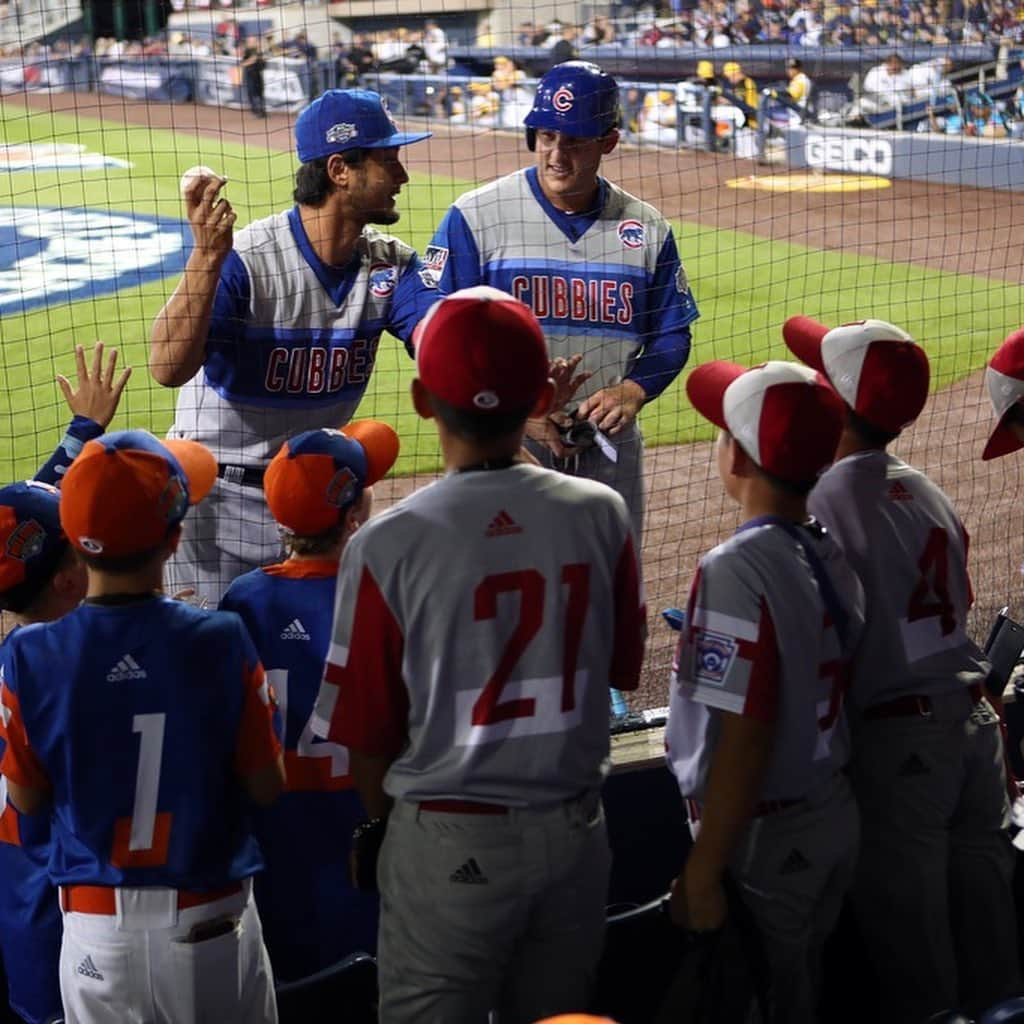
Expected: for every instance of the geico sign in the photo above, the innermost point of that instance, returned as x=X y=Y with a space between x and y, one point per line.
x=861 y=155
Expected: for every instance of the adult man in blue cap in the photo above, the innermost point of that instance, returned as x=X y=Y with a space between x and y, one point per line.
x=274 y=331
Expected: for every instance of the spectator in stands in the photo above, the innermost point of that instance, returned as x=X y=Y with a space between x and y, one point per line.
x=631 y=108
x=435 y=46
x=252 y=75
x=356 y=62
x=748 y=26
x=599 y=31
x=978 y=119
x=930 y=79
x=565 y=48
x=302 y=49
x=887 y=85
x=805 y=23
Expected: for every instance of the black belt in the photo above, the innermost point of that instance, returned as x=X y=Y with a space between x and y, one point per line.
x=247 y=476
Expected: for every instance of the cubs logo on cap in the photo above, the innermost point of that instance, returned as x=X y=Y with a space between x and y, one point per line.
x=343 y=119
x=877 y=369
x=31 y=540
x=482 y=350
x=317 y=476
x=1004 y=380
x=127 y=491
x=784 y=416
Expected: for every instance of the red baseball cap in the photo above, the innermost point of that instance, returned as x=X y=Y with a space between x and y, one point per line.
x=482 y=350
x=126 y=491
x=784 y=416
x=1004 y=378
x=878 y=370
x=318 y=475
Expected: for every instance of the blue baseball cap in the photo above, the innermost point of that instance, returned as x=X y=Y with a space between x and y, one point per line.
x=342 y=119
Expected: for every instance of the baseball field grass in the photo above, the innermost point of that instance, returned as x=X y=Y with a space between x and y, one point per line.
x=745 y=285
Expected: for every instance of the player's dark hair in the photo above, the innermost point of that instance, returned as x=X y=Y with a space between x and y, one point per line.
x=479 y=427
x=313 y=183
x=20 y=600
x=121 y=565
x=874 y=436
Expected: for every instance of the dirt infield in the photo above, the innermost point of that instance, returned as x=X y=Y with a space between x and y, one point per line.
x=941 y=227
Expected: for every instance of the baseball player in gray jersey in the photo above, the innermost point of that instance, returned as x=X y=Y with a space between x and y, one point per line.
x=933 y=889
x=277 y=333
x=754 y=733
x=598 y=267
x=478 y=627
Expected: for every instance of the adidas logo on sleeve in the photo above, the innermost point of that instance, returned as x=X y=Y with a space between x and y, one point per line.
x=295 y=630
x=127 y=668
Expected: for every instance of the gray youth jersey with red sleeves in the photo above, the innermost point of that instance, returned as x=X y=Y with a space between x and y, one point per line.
x=905 y=541
x=478 y=626
x=301 y=360
x=760 y=642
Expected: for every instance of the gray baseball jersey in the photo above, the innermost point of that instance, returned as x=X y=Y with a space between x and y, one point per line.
x=291 y=346
x=761 y=640
x=293 y=341
x=904 y=540
x=478 y=626
x=609 y=284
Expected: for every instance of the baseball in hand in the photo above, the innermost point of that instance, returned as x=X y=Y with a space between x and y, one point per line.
x=189 y=177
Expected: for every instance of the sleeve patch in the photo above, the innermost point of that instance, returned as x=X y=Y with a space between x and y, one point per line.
x=715 y=654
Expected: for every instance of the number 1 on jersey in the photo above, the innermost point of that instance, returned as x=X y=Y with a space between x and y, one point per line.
x=142 y=840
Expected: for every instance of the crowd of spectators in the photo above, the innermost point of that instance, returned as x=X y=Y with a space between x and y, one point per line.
x=720 y=23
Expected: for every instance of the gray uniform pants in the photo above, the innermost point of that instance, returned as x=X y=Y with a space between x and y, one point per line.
x=933 y=891
x=484 y=912
x=227 y=534
x=625 y=475
x=792 y=870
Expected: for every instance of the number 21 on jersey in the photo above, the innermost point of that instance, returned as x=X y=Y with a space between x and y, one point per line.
x=508 y=705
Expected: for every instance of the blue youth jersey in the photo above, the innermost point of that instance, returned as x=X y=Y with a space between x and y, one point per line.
x=142 y=719
x=312 y=917
x=30 y=920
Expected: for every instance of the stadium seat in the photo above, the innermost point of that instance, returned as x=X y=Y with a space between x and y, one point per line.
x=349 y=985
x=1006 y=1012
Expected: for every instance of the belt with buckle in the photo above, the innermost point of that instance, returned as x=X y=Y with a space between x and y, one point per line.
x=247 y=476
x=102 y=899
x=462 y=807
x=913 y=705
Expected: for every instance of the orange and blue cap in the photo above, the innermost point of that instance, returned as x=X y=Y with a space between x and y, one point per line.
x=126 y=491
x=319 y=475
x=32 y=542
x=481 y=350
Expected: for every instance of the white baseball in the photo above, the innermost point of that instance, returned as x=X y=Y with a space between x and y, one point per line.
x=189 y=177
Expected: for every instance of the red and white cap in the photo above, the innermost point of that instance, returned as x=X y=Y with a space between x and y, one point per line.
x=1004 y=378
x=482 y=350
x=878 y=370
x=783 y=415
